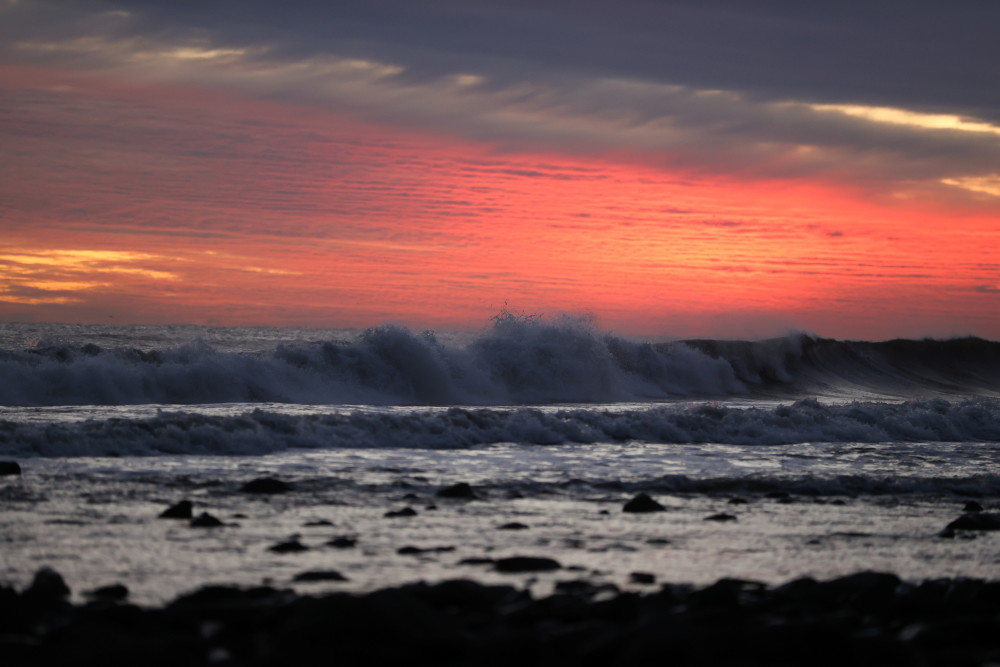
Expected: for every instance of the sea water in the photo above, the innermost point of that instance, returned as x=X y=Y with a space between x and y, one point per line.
x=823 y=457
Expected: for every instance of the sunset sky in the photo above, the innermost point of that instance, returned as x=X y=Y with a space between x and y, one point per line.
x=722 y=168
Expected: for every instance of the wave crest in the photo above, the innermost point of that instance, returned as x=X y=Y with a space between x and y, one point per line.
x=518 y=360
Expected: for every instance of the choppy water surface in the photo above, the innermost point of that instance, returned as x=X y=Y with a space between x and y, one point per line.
x=849 y=456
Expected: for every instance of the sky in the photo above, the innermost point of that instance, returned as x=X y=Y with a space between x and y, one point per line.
x=708 y=168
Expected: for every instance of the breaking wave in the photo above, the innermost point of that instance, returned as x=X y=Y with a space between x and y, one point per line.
x=515 y=362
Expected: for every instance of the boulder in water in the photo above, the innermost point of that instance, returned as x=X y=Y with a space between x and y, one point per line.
x=206 y=520
x=462 y=491
x=266 y=485
x=406 y=511
x=526 y=564
x=343 y=542
x=288 y=547
x=513 y=525
x=181 y=510
x=643 y=503
x=10 y=468
x=320 y=575
x=973 y=521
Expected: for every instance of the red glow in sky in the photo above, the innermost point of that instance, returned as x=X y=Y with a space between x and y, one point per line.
x=159 y=201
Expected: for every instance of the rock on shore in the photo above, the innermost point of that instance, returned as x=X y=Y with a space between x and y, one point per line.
x=864 y=619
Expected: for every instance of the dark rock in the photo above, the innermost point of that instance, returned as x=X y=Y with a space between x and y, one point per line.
x=287 y=547
x=111 y=593
x=266 y=485
x=513 y=525
x=214 y=600
x=414 y=551
x=972 y=506
x=642 y=578
x=526 y=564
x=181 y=510
x=406 y=511
x=205 y=520
x=582 y=588
x=10 y=468
x=737 y=501
x=973 y=521
x=320 y=575
x=48 y=585
x=461 y=490
x=643 y=503
x=477 y=561
x=798 y=590
x=722 y=516
x=777 y=495
x=863 y=589
x=865 y=619
x=343 y=542
x=728 y=593
x=657 y=540
x=318 y=522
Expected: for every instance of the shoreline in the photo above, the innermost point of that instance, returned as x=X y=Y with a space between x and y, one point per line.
x=864 y=618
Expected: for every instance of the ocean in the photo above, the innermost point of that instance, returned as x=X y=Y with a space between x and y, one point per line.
x=772 y=460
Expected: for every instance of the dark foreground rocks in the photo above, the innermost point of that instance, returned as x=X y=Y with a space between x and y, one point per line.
x=864 y=619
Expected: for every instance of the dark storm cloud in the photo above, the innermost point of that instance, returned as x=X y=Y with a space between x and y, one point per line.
x=707 y=83
x=923 y=55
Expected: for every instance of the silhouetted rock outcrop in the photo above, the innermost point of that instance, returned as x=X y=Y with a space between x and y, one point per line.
x=643 y=503
x=181 y=510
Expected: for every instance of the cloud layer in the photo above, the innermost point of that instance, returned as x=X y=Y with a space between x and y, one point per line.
x=898 y=96
x=673 y=166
